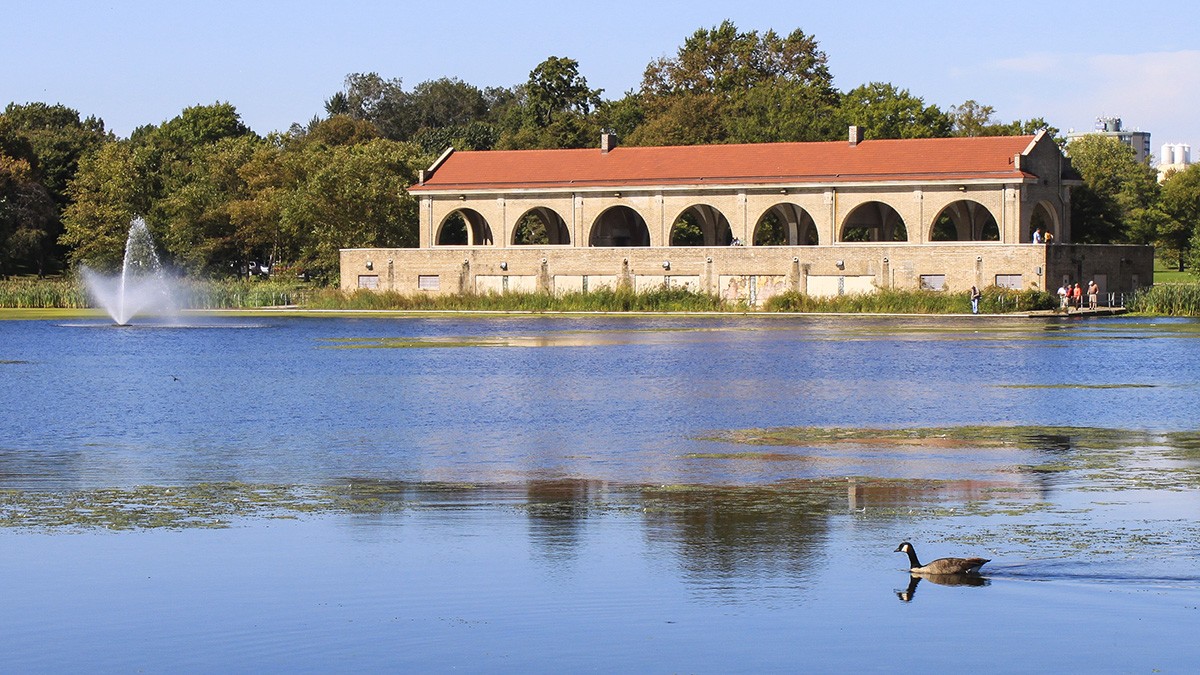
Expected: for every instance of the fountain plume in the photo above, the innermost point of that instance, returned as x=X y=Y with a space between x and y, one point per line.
x=141 y=288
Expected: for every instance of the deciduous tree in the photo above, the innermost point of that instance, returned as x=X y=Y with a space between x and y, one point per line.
x=1116 y=193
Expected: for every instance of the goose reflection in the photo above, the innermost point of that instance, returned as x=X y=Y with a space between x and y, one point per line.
x=907 y=594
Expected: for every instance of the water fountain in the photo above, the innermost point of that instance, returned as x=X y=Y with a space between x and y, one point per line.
x=141 y=288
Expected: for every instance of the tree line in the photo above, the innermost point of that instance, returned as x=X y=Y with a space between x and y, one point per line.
x=220 y=197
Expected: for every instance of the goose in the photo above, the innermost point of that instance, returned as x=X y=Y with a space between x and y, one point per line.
x=941 y=565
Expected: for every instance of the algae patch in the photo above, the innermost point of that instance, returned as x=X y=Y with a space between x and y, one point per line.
x=203 y=505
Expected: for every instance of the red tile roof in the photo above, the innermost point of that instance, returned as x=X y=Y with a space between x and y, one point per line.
x=929 y=159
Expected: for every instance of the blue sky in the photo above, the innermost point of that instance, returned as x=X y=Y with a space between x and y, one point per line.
x=135 y=62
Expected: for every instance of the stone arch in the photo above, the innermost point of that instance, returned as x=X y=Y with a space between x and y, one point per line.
x=1043 y=218
x=541 y=226
x=786 y=224
x=964 y=220
x=464 y=227
x=874 y=221
x=619 y=226
x=700 y=225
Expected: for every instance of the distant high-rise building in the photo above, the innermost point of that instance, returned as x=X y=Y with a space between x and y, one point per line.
x=1111 y=127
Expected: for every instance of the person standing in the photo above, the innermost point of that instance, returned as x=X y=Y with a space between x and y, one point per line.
x=1037 y=236
x=1077 y=296
x=975 y=296
x=1093 y=294
x=1063 y=296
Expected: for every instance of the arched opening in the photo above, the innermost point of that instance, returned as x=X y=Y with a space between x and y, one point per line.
x=786 y=225
x=620 y=226
x=701 y=225
x=464 y=227
x=541 y=226
x=1043 y=219
x=874 y=221
x=965 y=220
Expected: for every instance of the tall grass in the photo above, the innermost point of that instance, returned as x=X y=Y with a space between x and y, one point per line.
x=995 y=301
x=602 y=300
x=20 y=293
x=69 y=293
x=1168 y=300
x=241 y=294
x=247 y=294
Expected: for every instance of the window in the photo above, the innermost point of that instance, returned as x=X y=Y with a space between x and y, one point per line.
x=933 y=282
x=429 y=282
x=1012 y=281
x=370 y=281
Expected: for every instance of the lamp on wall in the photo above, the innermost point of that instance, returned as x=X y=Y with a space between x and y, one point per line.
x=841 y=264
x=504 y=265
x=978 y=258
x=666 y=264
x=370 y=265
x=885 y=260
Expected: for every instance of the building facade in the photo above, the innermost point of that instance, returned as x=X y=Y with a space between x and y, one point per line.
x=1111 y=127
x=749 y=221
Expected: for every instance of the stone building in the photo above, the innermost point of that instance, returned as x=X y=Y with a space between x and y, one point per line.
x=749 y=221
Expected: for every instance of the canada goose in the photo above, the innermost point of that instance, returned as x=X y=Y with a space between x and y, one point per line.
x=941 y=565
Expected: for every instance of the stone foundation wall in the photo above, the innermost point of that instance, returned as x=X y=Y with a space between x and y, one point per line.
x=750 y=273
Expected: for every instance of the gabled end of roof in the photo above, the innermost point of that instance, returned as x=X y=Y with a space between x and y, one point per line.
x=426 y=174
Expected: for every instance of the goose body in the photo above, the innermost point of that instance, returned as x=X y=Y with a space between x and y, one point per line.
x=941 y=565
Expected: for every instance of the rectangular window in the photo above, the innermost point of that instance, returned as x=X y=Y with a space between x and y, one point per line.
x=1012 y=281
x=370 y=281
x=933 y=282
x=429 y=282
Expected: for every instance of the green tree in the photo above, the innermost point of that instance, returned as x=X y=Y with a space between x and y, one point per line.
x=1180 y=202
x=1112 y=204
x=975 y=119
x=726 y=85
x=347 y=196
x=200 y=231
x=55 y=138
x=196 y=126
x=109 y=189
x=883 y=111
x=155 y=174
x=28 y=218
x=447 y=102
x=58 y=138
x=553 y=109
x=384 y=103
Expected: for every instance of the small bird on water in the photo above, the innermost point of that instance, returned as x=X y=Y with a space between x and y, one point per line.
x=941 y=565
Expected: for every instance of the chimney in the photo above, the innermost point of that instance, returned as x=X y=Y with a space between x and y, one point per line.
x=608 y=141
x=856 y=135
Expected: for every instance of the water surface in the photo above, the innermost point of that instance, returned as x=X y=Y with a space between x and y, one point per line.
x=597 y=493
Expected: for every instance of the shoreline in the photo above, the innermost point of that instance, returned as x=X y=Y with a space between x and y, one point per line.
x=27 y=314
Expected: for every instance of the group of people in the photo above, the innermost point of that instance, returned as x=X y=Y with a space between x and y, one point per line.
x=1040 y=238
x=1071 y=295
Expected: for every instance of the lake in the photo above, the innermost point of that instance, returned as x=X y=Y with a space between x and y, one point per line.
x=598 y=493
